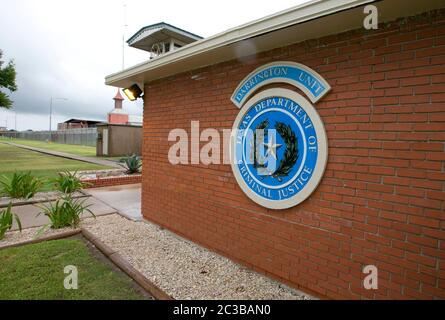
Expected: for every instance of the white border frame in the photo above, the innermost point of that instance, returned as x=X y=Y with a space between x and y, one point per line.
x=320 y=166
x=290 y=81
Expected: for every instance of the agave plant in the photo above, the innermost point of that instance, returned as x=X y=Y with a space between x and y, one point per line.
x=68 y=182
x=20 y=185
x=132 y=164
x=6 y=220
x=65 y=212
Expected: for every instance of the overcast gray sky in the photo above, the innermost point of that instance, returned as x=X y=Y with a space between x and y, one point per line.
x=66 y=48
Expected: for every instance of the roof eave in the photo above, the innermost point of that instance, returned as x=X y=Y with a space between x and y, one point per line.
x=305 y=12
x=267 y=30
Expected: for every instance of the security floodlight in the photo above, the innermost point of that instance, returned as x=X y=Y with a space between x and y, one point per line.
x=133 y=93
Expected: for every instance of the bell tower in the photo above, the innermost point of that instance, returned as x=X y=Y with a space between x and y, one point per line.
x=118 y=115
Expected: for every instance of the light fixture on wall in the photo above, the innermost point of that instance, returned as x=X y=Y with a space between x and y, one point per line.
x=134 y=92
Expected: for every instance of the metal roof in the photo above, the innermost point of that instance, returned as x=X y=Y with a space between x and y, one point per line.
x=118 y=95
x=82 y=120
x=147 y=36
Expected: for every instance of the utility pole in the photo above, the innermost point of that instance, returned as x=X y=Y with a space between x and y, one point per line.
x=123 y=36
x=51 y=113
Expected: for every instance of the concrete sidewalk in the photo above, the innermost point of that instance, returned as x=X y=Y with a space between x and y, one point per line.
x=125 y=199
x=30 y=218
x=102 y=162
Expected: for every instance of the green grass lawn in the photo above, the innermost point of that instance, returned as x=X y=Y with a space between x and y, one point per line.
x=37 y=272
x=41 y=165
x=86 y=151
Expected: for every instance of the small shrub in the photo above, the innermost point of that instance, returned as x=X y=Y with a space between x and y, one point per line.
x=65 y=212
x=68 y=182
x=6 y=219
x=132 y=164
x=20 y=185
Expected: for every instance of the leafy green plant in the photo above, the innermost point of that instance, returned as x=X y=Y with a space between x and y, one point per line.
x=132 y=164
x=65 y=212
x=6 y=220
x=68 y=182
x=20 y=185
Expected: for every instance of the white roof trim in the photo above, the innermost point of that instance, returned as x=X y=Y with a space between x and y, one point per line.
x=305 y=12
x=143 y=34
x=149 y=30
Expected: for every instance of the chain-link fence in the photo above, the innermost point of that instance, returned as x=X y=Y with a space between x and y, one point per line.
x=83 y=136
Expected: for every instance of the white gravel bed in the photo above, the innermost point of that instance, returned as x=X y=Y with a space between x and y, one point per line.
x=14 y=237
x=182 y=269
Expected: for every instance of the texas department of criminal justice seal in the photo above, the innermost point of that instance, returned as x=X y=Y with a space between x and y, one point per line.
x=278 y=149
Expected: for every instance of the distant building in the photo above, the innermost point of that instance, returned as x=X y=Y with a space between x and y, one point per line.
x=2 y=129
x=122 y=135
x=77 y=124
x=119 y=116
x=135 y=120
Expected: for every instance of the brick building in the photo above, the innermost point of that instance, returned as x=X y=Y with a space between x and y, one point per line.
x=77 y=124
x=119 y=117
x=381 y=199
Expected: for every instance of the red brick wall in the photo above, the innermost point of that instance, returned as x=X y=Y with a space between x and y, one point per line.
x=115 y=118
x=113 y=181
x=381 y=201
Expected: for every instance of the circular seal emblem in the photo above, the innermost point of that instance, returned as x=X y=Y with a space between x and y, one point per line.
x=278 y=149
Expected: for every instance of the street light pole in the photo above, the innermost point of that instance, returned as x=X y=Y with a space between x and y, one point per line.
x=50 y=113
x=123 y=36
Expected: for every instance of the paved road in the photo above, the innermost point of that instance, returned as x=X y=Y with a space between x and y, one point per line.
x=102 y=162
